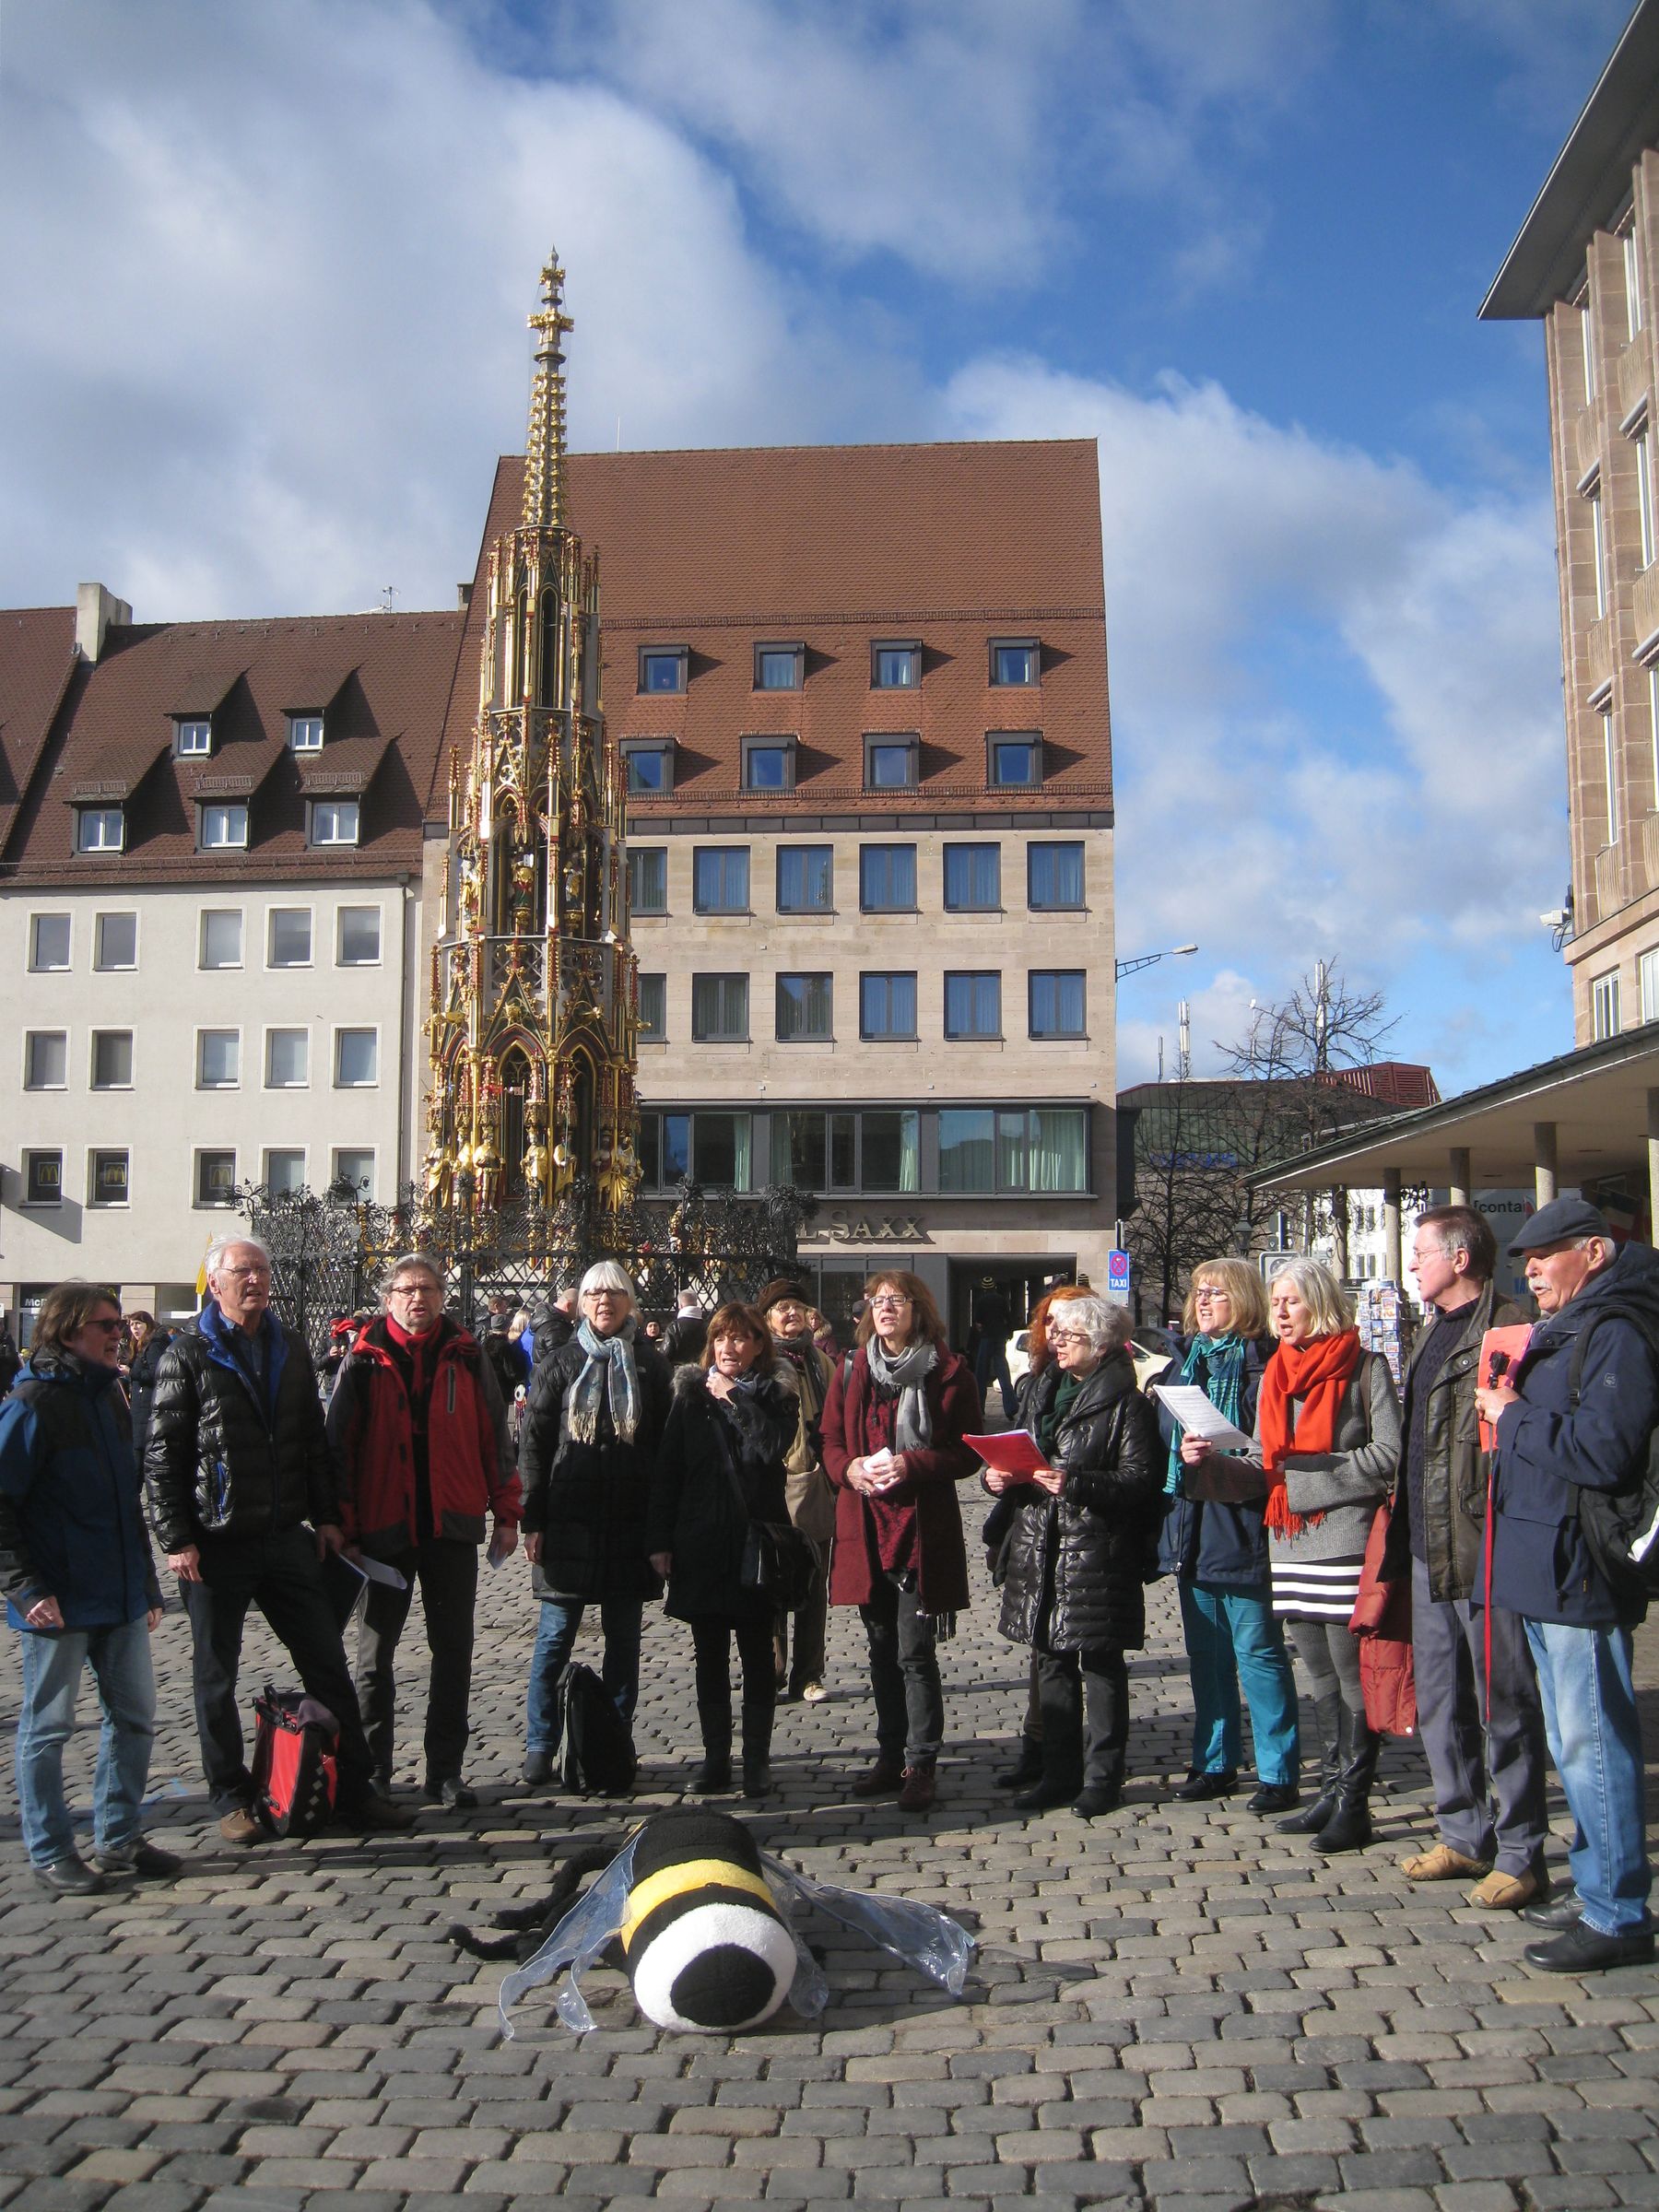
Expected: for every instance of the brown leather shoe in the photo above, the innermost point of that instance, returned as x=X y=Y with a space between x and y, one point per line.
x=919 y=1792
x=1441 y=1864
x=241 y=1828
x=881 y=1780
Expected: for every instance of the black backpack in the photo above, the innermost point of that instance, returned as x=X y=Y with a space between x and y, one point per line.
x=1621 y=1526
x=596 y=1750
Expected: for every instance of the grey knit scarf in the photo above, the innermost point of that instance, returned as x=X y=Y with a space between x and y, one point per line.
x=611 y=1371
x=913 y=1424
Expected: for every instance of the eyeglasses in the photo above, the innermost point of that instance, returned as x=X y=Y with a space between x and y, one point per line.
x=110 y=1328
x=250 y=1275
x=413 y=1290
x=1206 y=1296
x=885 y=1300
x=1070 y=1336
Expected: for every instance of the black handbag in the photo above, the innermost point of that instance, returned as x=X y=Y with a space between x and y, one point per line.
x=778 y=1564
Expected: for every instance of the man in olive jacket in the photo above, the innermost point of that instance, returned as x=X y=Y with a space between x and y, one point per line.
x=1486 y=1752
x=236 y=1466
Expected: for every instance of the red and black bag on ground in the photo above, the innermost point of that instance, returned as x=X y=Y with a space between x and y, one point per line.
x=296 y=1772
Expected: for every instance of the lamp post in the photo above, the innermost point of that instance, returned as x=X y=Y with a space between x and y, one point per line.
x=1150 y=959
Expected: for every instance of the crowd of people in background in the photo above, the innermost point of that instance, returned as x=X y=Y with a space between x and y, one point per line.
x=745 y=1470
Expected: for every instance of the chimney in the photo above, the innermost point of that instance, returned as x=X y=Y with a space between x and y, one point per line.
x=95 y=608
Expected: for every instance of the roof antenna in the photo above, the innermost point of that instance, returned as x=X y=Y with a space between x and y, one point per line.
x=386 y=598
x=618 y=433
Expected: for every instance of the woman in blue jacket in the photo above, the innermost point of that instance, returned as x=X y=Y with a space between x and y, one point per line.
x=80 y=1586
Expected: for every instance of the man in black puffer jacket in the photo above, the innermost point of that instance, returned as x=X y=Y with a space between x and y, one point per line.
x=236 y=1464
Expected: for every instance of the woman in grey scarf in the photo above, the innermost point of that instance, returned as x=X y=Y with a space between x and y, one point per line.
x=893 y=1428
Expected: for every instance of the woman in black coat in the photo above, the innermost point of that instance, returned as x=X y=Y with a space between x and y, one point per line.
x=721 y=1467
x=1076 y=1554
x=148 y=1342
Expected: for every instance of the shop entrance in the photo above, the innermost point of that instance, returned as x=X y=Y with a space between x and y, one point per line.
x=1021 y=1283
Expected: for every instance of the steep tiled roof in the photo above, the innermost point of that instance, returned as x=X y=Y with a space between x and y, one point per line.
x=37 y=660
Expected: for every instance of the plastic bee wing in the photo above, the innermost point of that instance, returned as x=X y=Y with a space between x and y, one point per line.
x=576 y=1942
x=921 y=1934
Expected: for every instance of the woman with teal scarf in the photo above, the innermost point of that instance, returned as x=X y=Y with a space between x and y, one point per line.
x=1217 y=1551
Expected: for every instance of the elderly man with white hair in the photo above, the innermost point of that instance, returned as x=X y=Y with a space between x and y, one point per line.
x=587 y=1452
x=243 y=1501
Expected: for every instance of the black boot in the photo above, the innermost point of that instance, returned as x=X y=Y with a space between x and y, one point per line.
x=756 y=1749
x=716 y=1773
x=1331 y=1716
x=1026 y=1769
x=1349 y=1827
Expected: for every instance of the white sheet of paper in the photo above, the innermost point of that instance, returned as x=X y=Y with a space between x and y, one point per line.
x=375 y=1571
x=1188 y=1404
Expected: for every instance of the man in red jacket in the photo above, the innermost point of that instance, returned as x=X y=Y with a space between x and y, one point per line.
x=418 y=1426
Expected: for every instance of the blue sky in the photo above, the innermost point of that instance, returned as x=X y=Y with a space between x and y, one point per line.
x=264 y=336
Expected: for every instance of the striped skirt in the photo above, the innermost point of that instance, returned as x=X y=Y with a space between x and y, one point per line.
x=1315 y=1589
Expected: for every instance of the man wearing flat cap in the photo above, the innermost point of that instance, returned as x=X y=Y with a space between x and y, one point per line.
x=1576 y=1413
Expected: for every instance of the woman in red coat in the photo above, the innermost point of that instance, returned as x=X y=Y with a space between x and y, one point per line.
x=893 y=1427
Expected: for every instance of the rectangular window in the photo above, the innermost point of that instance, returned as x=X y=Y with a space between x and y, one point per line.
x=973 y=1005
x=216 y=1179
x=1054 y=877
x=806 y=879
x=670 y=1141
x=358 y=943
x=653 y=1009
x=720 y=1009
x=334 y=822
x=99 y=829
x=663 y=668
x=48 y=942
x=972 y=879
x=815 y=1151
x=221 y=937
x=890 y=1143
x=895 y=668
x=648 y=879
x=1644 y=494
x=107 y=1179
x=192 y=736
x=886 y=1005
x=721 y=1151
x=769 y=764
x=1045 y=1150
x=1058 y=1008
x=218 y=1059
x=356 y=1171
x=111 y=1059
x=284 y=1172
x=1632 y=276
x=778 y=667
x=1014 y=661
x=46 y=1059
x=804 y=1008
x=1610 y=766
x=222 y=828
x=893 y=763
x=305 y=733
x=290 y=937
x=887 y=879
x=42 y=1178
x=1583 y=304
x=1013 y=762
x=649 y=765
x=966 y=1148
x=1604 y=1004
x=287 y=1059
x=1647 y=976
x=1598 y=547
x=719 y=879
x=115 y=941
x=357 y=1059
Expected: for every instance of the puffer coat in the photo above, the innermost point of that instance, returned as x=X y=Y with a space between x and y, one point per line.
x=588 y=1502
x=695 y=1512
x=1075 y=1563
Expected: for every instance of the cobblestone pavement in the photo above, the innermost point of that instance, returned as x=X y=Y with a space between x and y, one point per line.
x=1172 y=2008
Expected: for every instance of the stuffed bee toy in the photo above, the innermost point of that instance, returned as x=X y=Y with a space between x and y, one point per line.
x=688 y=1908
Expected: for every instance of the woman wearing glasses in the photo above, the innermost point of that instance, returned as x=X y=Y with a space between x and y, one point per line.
x=893 y=1427
x=1217 y=1548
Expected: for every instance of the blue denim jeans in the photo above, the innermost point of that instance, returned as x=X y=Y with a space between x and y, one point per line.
x=120 y=1660
x=1232 y=1639
x=1596 y=1740
x=620 y=1618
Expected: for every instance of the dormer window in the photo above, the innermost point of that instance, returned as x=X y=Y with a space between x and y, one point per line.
x=334 y=822
x=99 y=829
x=662 y=667
x=1015 y=661
x=305 y=733
x=780 y=668
x=192 y=736
x=222 y=827
x=648 y=763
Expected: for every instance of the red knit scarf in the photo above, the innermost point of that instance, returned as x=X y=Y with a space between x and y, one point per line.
x=1314 y=1374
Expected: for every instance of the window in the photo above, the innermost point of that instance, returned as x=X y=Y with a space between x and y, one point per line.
x=967 y=1149
x=1644 y=494
x=778 y=667
x=111 y=1059
x=1610 y=767
x=216 y=1179
x=806 y=879
x=891 y=763
x=356 y=1170
x=973 y=1005
x=192 y=736
x=895 y=668
x=662 y=667
x=769 y=763
x=358 y=943
x=972 y=879
x=649 y=765
x=653 y=1009
x=287 y=1059
x=1014 y=761
x=1583 y=304
x=815 y=1151
x=99 y=829
x=719 y=879
x=48 y=942
x=1057 y=1002
x=1599 y=547
x=664 y=1149
x=357 y=1059
x=1012 y=1148
x=284 y=1172
x=648 y=879
x=1647 y=976
x=1632 y=276
x=305 y=733
x=1014 y=660
x=42 y=1178
x=222 y=828
x=115 y=941
x=218 y=1059
x=107 y=1179
x=720 y=1009
x=45 y=1060
x=887 y=879
x=721 y=1151
x=1604 y=1004
x=333 y=822
x=290 y=937
x=890 y=1150
x=1054 y=877
x=221 y=936
x=804 y=1008
x=886 y=1005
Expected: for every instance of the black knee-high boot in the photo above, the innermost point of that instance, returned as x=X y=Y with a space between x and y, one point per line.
x=757 y=1746
x=1330 y=1713
x=1349 y=1827
x=715 y=1721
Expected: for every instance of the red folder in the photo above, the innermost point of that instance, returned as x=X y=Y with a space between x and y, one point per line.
x=1501 y=1351
x=1011 y=1452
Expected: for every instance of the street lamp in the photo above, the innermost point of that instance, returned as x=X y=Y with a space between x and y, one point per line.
x=1150 y=959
